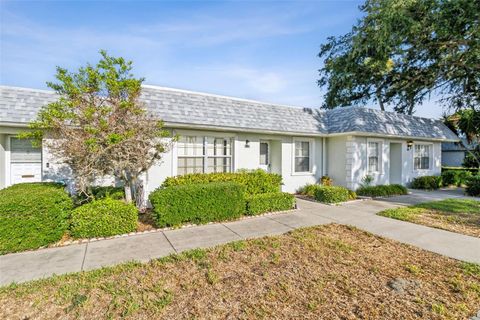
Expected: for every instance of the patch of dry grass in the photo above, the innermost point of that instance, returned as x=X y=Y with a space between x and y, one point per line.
x=456 y=215
x=328 y=272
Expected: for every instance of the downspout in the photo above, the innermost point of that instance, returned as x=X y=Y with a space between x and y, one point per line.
x=324 y=156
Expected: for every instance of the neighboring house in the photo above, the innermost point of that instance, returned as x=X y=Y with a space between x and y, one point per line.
x=454 y=153
x=223 y=134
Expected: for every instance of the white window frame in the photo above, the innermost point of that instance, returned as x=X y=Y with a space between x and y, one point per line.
x=430 y=156
x=311 y=153
x=380 y=156
x=205 y=156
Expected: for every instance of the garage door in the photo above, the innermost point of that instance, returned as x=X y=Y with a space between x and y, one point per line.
x=25 y=161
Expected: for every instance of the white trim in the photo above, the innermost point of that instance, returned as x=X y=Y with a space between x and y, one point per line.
x=380 y=156
x=311 y=154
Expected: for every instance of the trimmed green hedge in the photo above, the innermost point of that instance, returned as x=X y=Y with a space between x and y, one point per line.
x=255 y=182
x=103 y=218
x=32 y=215
x=331 y=194
x=473 y=186
x=198 y=203
x=427 y=182
x=382 y=190
x=269 y=202
x=308 y=189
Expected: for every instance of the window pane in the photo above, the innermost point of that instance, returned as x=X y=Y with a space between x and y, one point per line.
x=190 y=146
x=421 y=158
x=302 y=164
x=219 y=146
x=190 y=165
x=263 y=153
x=220 y=164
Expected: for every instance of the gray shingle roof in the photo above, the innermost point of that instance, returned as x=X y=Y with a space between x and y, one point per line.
x=20 y=105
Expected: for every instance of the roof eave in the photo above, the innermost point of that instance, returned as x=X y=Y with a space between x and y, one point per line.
x=385 y=135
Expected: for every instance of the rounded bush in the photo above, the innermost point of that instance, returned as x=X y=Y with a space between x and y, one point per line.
x=473 y=186
x=332 y=194
x=32 y=215
x=103 y=218
x=450 y=178
x=427 y=182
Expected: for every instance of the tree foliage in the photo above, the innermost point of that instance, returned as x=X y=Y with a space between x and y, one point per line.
x=403 y=51
x=98 y=125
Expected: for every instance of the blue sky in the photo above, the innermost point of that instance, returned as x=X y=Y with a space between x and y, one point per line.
x=262 y=50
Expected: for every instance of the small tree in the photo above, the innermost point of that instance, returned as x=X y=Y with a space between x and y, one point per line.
x=98 y=125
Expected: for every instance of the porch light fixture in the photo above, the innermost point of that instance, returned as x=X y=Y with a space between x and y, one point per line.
x=247 y=143
x=409 y=145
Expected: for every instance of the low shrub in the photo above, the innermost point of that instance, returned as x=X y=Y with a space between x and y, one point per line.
x=450 y=178
x=455 y=177
x=326 y=181
x=308 y=189
x=382 y=190
x=352 y=195
x=269 y=202
x=473 y=186
x=463 y=177
x=103 y=218
x=117 y=193
x=332 y=194
x=198 y=203
x=427 y=182
x=32 y=215
x=255 y=182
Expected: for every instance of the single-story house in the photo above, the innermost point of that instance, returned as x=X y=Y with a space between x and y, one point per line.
x=224 y=134
x=453 y=153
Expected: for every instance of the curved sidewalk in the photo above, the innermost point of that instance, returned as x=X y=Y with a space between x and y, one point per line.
x=20 y=267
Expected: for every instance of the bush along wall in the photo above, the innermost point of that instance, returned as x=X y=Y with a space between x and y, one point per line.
x=103 y=218
x=32 y=215
x=269 y=202
x=427 y=182
x=455 y=177
x=382 y=190
x=473 y=186
x=331 y=194
x=198 y=203
x=255 y=182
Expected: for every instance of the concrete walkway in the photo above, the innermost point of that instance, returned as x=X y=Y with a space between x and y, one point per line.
x=20 y=267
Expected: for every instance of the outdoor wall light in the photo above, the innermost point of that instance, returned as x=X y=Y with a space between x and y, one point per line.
x=409 y=145
x=247 y=143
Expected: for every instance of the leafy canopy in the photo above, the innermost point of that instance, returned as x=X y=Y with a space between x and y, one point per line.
x=403 y=51
x=98 y=125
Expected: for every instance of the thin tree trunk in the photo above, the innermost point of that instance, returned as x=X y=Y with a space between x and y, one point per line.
x=379 y=99
x=128 y=192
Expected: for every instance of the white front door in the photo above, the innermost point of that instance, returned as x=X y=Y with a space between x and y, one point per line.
x=25 y=161
x=265 y=155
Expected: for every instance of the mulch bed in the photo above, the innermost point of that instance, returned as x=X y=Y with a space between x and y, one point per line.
x=325 y=272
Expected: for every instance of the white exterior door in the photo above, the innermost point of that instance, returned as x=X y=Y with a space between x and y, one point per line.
x=25 y=161
x=265 y=155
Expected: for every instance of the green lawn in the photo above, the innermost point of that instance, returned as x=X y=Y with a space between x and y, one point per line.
x=457 y=215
